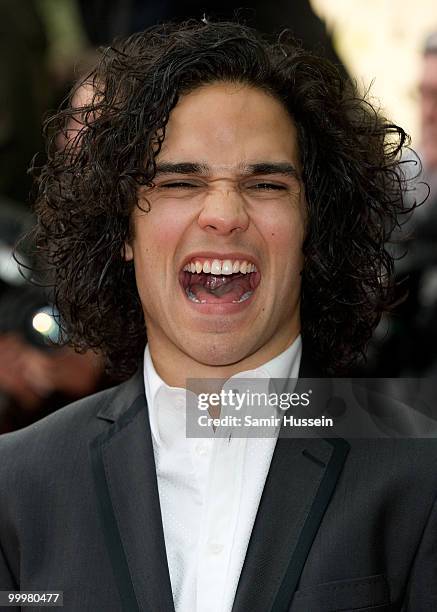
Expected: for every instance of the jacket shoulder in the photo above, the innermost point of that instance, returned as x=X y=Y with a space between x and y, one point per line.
x=61 y=437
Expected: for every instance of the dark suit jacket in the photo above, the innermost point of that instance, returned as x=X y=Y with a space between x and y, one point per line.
x=340 y=526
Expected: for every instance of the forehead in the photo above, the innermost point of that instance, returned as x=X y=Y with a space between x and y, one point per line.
x=229 y=124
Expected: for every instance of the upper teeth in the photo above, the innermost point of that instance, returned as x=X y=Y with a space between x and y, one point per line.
x=217 y=266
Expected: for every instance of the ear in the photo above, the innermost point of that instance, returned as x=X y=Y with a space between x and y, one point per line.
x=128 y=252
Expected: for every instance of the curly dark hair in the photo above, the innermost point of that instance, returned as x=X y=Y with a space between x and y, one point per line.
x=88 y=189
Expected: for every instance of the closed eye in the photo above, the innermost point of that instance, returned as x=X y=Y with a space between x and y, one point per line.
x=178 y=185
x=267 y=186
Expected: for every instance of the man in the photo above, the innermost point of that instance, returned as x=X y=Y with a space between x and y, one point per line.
x=224 y=196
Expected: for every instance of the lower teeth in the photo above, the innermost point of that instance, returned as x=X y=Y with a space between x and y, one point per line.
x=193 y=298
x=244 y=297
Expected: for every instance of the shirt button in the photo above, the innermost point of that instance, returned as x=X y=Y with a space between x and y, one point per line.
x=201 y=449
x=215 y=548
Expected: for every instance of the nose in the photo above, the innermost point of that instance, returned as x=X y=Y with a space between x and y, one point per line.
x=224 y=212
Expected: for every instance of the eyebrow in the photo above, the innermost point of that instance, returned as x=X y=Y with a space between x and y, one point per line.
x=283 y=168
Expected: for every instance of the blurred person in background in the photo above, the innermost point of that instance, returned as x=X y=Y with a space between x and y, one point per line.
x=421 y=262
x=405 y=344
x=428 y=109
x=36 y=375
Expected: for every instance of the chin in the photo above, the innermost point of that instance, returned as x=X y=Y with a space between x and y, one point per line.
x=217 y=353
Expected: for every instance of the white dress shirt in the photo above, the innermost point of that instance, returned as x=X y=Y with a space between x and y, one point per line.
x=209 y=491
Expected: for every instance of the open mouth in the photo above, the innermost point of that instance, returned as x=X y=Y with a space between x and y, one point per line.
x=213 y=281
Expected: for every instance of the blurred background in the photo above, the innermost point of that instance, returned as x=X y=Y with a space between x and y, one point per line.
x=47 y=44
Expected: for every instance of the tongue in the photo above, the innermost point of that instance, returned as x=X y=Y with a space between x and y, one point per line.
x=225 y=292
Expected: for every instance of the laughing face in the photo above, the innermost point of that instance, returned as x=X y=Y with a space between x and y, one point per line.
x=218 y=257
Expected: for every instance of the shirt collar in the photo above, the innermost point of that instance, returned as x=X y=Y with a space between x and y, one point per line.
x=284 y=365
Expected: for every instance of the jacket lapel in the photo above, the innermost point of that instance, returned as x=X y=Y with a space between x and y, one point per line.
x=302 y=478
x=128 y=501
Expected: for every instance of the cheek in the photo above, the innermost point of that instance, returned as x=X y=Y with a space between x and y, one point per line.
x=156 y=240
x=164 y=225
x=286 y=236
x=155 y=236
